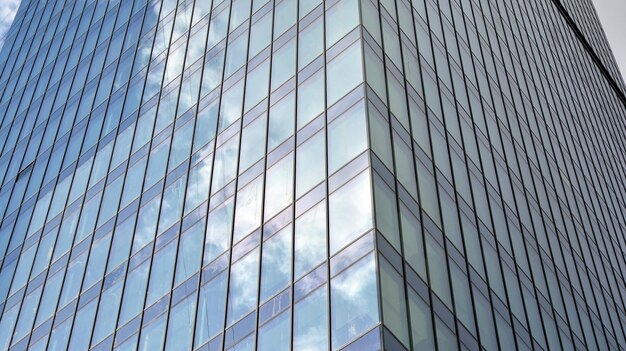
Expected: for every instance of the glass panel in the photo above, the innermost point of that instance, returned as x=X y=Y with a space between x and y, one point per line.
x=350 y=212
x=311 y=43
x=236 y=54
x=261 y=34
x=310 y=98
x=421 y=324
x=345 y=72
x=225 y=167
x=347 y=137
x=181 y=323
x=354 y=301
x=83 y=324
x=231 y=107
x=172 y=204
x=153 y=335
x=285 y=16
x=276 y=263
x=211 y=309
x=206 y=123
x=181 y=146
x=189 y=253
x=252 y=143
x=310 y=163
x=146 y=224
x=342 y=17
x=386 y=212
x=310 y=322
x=243 y=286
x=219 y=225
x=257 y=85
x=240 y=13
x=281 y=121
x=198 y=186
x=162 y=273
x=248 y=211
x=310 y=239
x=134 y=292
x=283 y=63
x=394 y=301
x=275 y=335
x=107 y=312
x=279 y=186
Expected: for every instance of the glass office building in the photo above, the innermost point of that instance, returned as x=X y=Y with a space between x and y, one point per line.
x=311 y=175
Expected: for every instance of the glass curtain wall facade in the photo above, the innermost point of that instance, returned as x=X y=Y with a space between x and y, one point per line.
x=311 y=175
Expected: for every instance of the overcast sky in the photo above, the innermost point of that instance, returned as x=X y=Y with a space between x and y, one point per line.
x=612 y=14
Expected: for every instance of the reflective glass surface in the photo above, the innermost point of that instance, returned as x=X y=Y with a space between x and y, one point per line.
x=311 y=175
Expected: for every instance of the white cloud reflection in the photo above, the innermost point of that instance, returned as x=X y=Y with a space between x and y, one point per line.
x=8 y=9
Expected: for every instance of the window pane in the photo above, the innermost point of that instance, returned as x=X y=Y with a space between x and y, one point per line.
x=248 y=211
x=311 y=161
x=341 y=19
x=243 y=286
x=181 y=146
x=345 y=72
x=394 y=301
x=276 y=263
x=354 y=301
x=172 y=206
x=146 y=224
x=199 y=181
x=275 y=335
x=211 y=308
x=285 y=16
x=189 y=253
x=153 y=335
x=225 y=167
x=421 y=324
x=310 y=98
x=240 y=13
x=386 y=212
x=107 y=312
x=83 y=324
x=181 y=323
x=231 y=108
x=162 y=273
x=310 y=322
x=279 y=187
x=283 y=64
x=206 y=123
x=236 y=54
x=281 y=121
x=311 y=42
x=261 y=34
x=219 y=225
x=347 y=137
x=157 y=164
x=310 y=239
x=350 y=212
x=257 y=85
x=97 y=261
x=252 y=143
x=134 y=292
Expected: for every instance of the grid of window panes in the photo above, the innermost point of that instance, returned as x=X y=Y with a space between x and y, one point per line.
x=308 y=175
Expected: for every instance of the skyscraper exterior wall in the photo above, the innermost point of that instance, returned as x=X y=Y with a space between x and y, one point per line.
x=311 y=175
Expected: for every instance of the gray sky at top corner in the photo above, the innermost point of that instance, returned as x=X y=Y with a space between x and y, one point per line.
x=612 y=15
